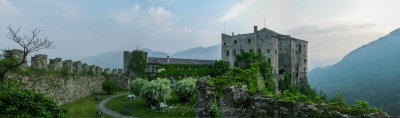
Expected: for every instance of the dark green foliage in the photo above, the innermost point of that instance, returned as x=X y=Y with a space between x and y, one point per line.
x=172 y=70
x=137 y=63
x=110 y=87
x=285 y=83
x=219 y=68
x=252 y=67
x=15 y=102
x=66 y=71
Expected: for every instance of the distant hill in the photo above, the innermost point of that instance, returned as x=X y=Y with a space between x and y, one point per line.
x=209 y=53
x=371 y=73
x=115 y=59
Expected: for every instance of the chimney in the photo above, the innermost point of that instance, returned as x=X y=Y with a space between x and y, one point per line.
x=233 y=34
x=255 y=29
x=167 y=59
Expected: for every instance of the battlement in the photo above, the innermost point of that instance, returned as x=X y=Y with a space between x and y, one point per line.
x=40 y=61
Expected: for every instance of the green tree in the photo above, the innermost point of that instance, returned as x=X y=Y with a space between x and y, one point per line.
x=137 y=63
x=219 y=68
x=156 y=91
x=185 y=89
x=136 y=85
x=15 y=102
x=110 y=87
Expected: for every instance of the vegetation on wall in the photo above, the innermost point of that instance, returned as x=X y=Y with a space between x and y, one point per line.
x=218 y=68
x=252 y=68
x=179 y=70
x=137 y=63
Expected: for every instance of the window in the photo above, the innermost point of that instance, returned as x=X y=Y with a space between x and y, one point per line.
x=152 y=69
x=268 y=51
x=227 y=52
x=234 y=52
x=224 y=43
x=269 y=60
x=193 y=75
x=305 y=60
x=235 y=41
x=248 y=41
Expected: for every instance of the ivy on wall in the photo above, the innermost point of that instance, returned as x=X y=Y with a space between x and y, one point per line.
x=179 y=70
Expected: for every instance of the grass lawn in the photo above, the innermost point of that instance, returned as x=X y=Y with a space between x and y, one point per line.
x=84 y=108
x=139 y=108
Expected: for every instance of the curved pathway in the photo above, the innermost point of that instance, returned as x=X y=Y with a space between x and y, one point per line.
x=101 y=106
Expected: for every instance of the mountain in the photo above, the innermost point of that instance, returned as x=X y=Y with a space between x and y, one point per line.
x=105 y=60
x=209 y=53
x=370 y=73
x=115 y=59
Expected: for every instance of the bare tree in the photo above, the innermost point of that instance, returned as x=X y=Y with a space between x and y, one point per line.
x=29 y=43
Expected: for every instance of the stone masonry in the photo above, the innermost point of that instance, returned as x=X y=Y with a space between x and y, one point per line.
x=114 y=71
x=85 y=68
x=39 y=61
x=78 y=67
x=92 y=69
x=17 y=54
x=98 y=70
x=205 y=99
x=55 y=64
x=284 y=53
x=67 y=64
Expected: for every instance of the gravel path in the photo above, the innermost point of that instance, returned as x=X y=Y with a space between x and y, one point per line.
x=102 y=107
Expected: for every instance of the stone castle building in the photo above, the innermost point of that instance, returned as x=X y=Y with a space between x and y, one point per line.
x=284 y=53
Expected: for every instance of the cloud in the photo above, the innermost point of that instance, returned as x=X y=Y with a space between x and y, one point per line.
x=7 y=8
x=318 y=29
x=236 y=10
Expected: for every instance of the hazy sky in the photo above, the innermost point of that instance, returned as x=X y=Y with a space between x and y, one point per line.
x=82 y=28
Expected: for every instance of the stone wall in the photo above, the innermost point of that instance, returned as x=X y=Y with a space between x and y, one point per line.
x=60 y=88
x=236 y=102
x=122 y=81
x=39 y=61
x=205 y=98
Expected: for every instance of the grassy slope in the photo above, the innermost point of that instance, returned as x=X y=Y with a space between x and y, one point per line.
x=141 y=110
x=84 y=108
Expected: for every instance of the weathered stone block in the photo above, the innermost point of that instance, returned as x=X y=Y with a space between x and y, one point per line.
x=39 y=61
x=55 y=64
x=98 y=70
x=85 y=68
x=78 y=67
x=92 y=69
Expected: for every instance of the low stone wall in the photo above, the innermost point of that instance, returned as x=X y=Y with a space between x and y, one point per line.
x=236 y=102
x=60 y=88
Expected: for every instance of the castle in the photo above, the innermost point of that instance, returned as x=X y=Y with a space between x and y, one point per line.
x=284 y=53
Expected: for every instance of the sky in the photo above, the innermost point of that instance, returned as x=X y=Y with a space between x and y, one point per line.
x=82 y=28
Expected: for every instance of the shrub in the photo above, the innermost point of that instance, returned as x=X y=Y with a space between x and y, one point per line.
x=156 y=91
x=185 y=89
x=110 y=87
x=136 y=85
x=219 y=68
x=15 y=102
